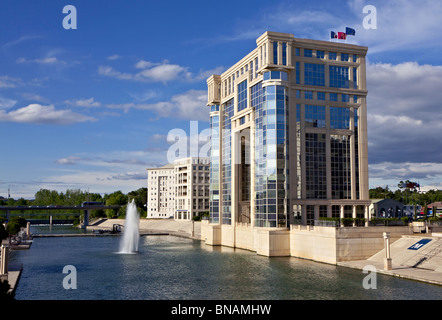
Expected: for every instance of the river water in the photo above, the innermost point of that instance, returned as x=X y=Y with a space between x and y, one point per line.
x=173 y=268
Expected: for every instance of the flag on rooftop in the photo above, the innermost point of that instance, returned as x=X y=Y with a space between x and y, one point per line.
x=342 y=35
x=333 y=35
x=350 y=31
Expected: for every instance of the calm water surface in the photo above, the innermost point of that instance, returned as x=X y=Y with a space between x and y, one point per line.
x=168 y=267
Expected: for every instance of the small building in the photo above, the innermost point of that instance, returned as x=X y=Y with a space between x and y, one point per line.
x=410 y=210
x=386 y=208
x=435 y=207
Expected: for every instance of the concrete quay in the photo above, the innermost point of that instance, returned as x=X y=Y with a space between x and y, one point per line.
x=187 y=229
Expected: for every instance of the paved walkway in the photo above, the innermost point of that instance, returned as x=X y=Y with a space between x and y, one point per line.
x=416 y=257
x=418 y=274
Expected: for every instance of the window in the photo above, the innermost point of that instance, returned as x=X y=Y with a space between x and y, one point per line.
x=333 y=97
x=298 y=68
x=345 y=98
x=340 y=167
x=321 y=95
x=339 y=118
x=275 y=52
x=332 y=55
x=320 y=54
x=284 y=53
x=344 y=57
x=315 y=166
x=339 y=77
x=308 y=94
x=256 y=94
x=275 y=75
x=308 y=53
x=314 y=116
x=314 y=74
x=355 y=78
x=242 y=95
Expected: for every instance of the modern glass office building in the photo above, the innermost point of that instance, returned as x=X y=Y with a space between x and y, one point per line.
x=289 y=134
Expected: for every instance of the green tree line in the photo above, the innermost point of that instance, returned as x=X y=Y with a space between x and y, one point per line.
x=74 y=197
x=408 y=196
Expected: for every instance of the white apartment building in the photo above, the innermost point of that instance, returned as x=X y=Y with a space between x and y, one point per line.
x=179 y=190
x=161 y=192
x=192 y=177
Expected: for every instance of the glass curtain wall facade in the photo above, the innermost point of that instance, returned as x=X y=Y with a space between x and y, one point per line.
x=271 y=154
x=214 y=165
x=310 y=91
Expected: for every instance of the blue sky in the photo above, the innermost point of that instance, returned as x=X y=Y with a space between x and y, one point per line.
x=91 y=108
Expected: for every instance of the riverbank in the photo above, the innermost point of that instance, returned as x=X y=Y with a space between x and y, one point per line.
x=187 y=229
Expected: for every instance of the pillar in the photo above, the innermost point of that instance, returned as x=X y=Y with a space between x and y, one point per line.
x=28 y=230
x=366 y=215
x=85 y=219
x=4 y=260
x=342 y=214
x=387 y=260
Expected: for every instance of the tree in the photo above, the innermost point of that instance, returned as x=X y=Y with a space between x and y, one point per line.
x=116 y=198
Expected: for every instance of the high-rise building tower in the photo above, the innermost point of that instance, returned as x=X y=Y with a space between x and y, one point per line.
x=289 y=135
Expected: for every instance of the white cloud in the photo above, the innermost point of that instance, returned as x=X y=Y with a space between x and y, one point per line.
x=190 y=105
x=158 y=72
x=404 y=123
x=114 y=57
x=110 y=72
x=48 y=60
x=68 y=160
x=6 y=103
x=86 y=103
x=39 y=114
x=9 y=82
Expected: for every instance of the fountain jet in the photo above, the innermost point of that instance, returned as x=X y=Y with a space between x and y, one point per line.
x=131 y=234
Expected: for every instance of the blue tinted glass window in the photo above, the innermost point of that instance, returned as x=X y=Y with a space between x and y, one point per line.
x=345 y=98
x=320 y=54
x=297 y=52
x=314 y=74
x=256 y=95
x=339 y=77
x=333 y=97
x=298 y=73
x=344 y=56
x=355 y=58
x=308 y=53
x=314 y=116
x=321 y=95
x=308 y=94
x=242 y=95
x=332 y=55
x=284 y=53
x=339 y=118
x=355 y=78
